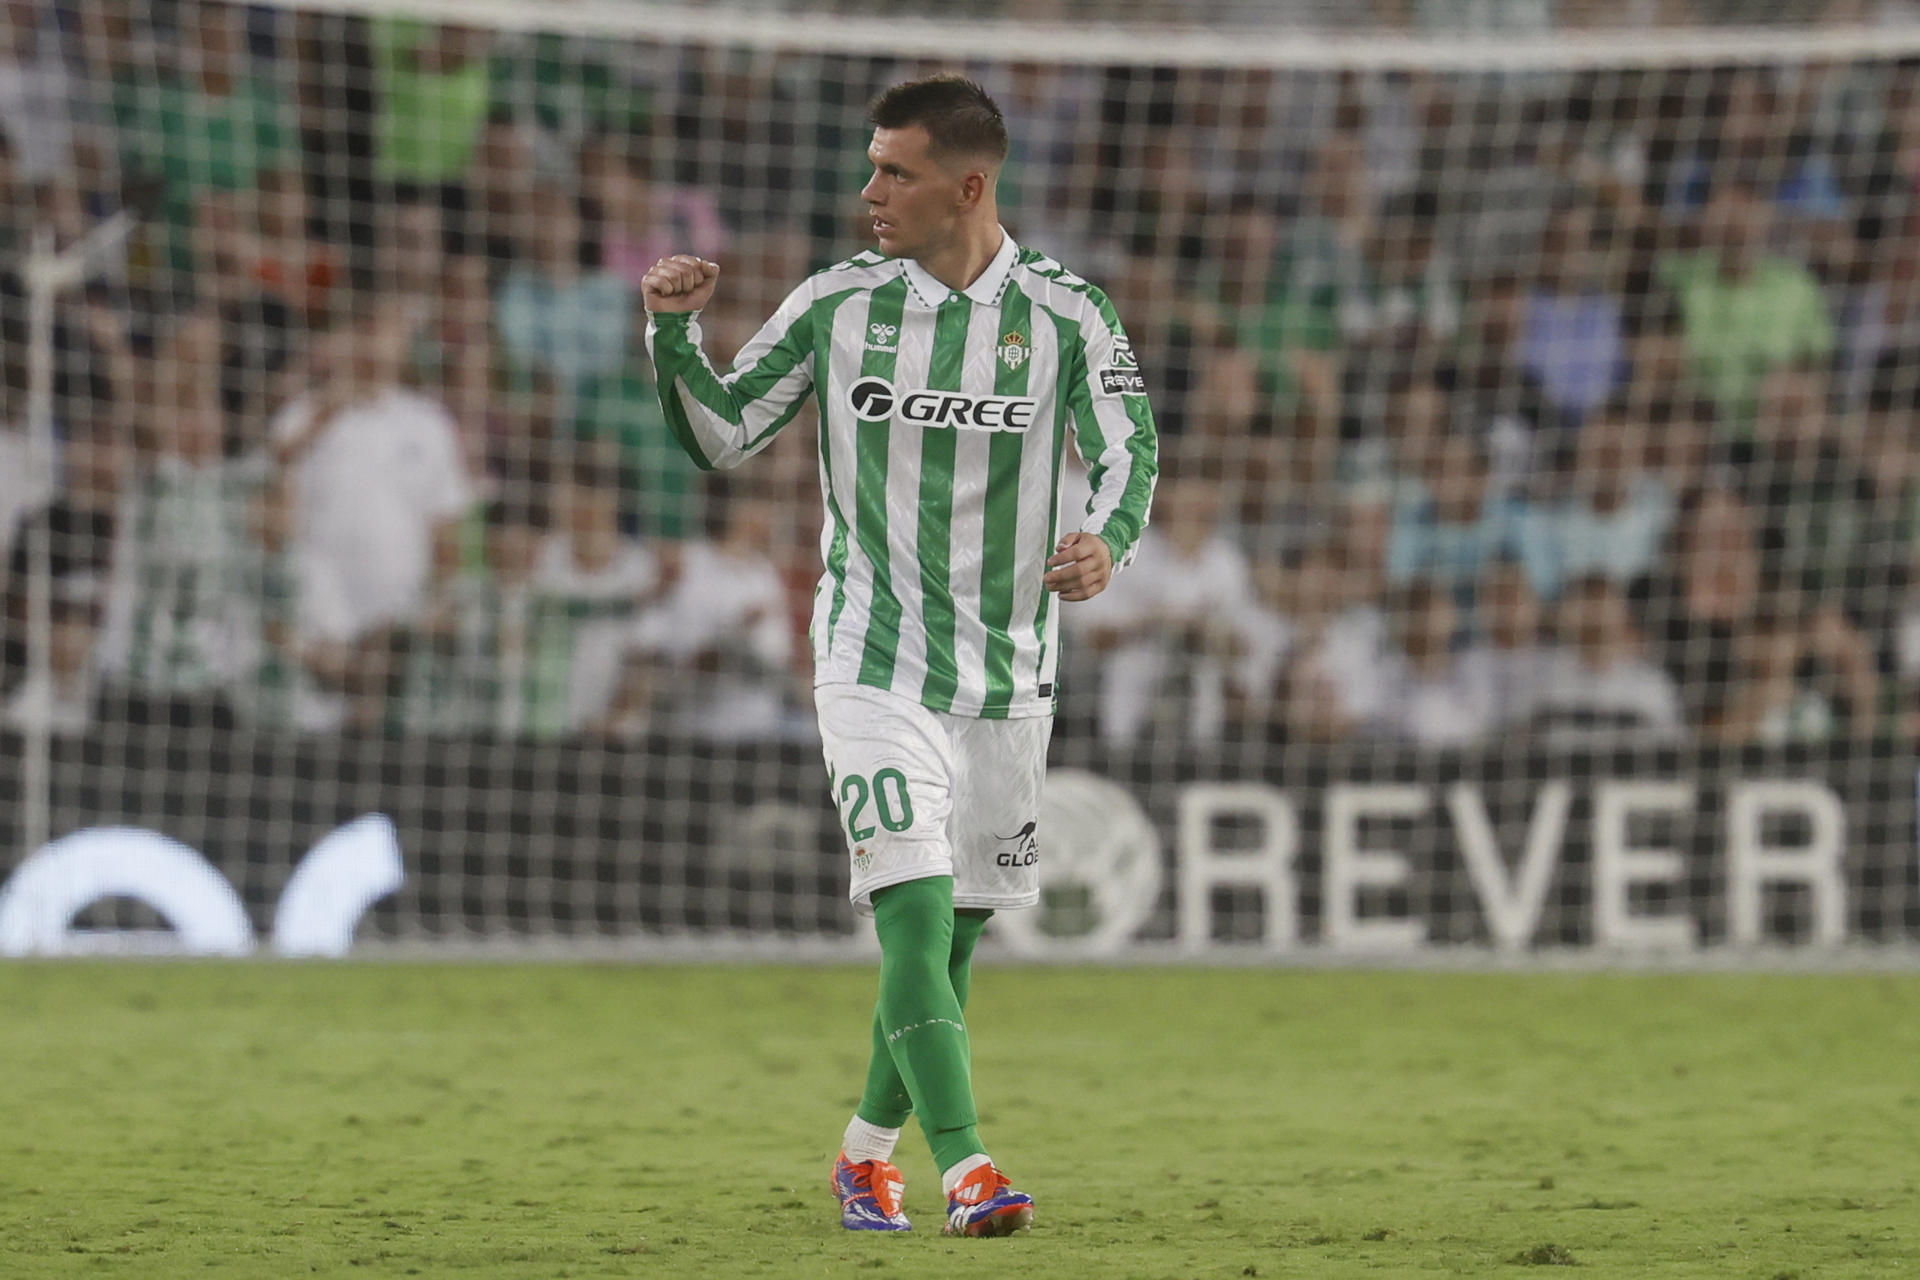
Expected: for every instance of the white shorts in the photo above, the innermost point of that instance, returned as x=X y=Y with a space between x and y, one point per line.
x=922 y=793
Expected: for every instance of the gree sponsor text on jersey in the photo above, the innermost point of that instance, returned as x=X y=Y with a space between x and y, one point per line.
x=876 y=400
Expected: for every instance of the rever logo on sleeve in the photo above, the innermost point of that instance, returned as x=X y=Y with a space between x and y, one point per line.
x=1121 y=376
x=1013 y=350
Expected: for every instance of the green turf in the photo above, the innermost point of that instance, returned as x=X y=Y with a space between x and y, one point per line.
x=274 y=1120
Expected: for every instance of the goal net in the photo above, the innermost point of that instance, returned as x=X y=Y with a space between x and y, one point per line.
x=1532 y=567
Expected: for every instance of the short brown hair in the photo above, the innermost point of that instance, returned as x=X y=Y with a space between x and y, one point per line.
x=959 y=117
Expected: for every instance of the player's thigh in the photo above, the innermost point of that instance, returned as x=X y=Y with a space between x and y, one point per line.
x=891 y=768
x=1001 y=767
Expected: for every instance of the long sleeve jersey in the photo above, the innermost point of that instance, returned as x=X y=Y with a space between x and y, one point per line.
x=944 y=422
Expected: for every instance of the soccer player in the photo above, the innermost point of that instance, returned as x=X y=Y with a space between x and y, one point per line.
x=950 y=367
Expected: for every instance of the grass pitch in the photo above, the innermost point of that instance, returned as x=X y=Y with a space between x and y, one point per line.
x=276 y=1120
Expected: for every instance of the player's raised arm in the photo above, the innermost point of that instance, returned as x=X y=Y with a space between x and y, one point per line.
x=1114 y=431
x=723 y=420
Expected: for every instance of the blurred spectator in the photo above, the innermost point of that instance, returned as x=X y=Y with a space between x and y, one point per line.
x=1597 y=150
x=1497 y=193
x=624 y=409
x=208 y=129
x=377 y=472
x=1663 y=371
x=1350 y=278
x=78 y=524
x=1508 y=660
x=1394 y=461
x=81 y=518
x=176 y=610
x=1317 y=277
x=507 y=167
x=491 y=655
x=291 y=267
x=560 y=313
x=1744 y=310
x=455 y=353
x=1432 y=696
x=1178 y=631
x=1700 y=613
x=1489 y=382
x=1609 y=691
x=295 y=674
x=410 y=254
x=1771 y=702
x=1453 y=524
x=601 y=578
x=737 y=124
x=1335 y=680
x=1278 y=469
x=1880 y=328
x=1615 y=518
x=711 y=657
x=638 y=221
x=1880 y=443
x=1830 y=532
x=1889 y=184
x=1572 y=339
x=64 y=693
x=434 y=85
x=272 y=286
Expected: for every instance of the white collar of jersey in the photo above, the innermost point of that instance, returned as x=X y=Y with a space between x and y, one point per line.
x=986 y=290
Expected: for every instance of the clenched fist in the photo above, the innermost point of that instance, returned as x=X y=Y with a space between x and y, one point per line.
x=680 y=283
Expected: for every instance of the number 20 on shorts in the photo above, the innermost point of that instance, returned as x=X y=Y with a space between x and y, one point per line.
x=888 y=795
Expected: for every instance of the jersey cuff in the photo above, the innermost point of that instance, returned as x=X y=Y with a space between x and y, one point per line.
x=1115 y=550
x=672 y=321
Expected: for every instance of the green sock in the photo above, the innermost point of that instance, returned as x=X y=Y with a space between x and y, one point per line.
x=885 y=1102
x=919 y=1021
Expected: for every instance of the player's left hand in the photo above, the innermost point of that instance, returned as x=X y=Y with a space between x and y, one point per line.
x=1080 y=567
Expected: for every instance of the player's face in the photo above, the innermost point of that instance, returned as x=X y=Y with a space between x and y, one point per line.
x=914 y=201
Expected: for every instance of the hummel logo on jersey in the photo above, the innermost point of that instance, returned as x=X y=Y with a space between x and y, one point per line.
x=1013 y=350
x=1025 y=851
x=875 y=400
x=882 y=337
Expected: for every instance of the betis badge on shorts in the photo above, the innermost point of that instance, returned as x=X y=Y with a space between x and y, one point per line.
x=1013 y=349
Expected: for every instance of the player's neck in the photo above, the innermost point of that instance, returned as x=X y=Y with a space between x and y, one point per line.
x=959 y=264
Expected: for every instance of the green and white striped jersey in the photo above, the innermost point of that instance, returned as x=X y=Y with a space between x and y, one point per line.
x=944 y=420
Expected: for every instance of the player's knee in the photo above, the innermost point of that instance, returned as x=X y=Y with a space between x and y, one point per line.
x=918 y=914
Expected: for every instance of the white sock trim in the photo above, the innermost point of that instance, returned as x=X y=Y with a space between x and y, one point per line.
x=954 y=1176
x=866 y=1142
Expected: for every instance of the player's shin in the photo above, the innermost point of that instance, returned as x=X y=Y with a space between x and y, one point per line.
x=920 y=1014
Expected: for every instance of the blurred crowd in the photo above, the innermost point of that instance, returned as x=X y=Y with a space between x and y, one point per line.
x=1569 y=403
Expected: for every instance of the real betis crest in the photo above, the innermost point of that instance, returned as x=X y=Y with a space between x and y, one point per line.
x=1013 y=349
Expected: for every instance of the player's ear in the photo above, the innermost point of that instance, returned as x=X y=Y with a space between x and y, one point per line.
x=974 y=188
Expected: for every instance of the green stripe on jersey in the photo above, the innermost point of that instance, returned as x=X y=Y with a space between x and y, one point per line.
x=999 y=559
x=935 y=541
x=821 y=314
x=886 y=306
x=1065 y=378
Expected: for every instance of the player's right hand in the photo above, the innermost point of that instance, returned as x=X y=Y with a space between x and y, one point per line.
x=679 y=283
